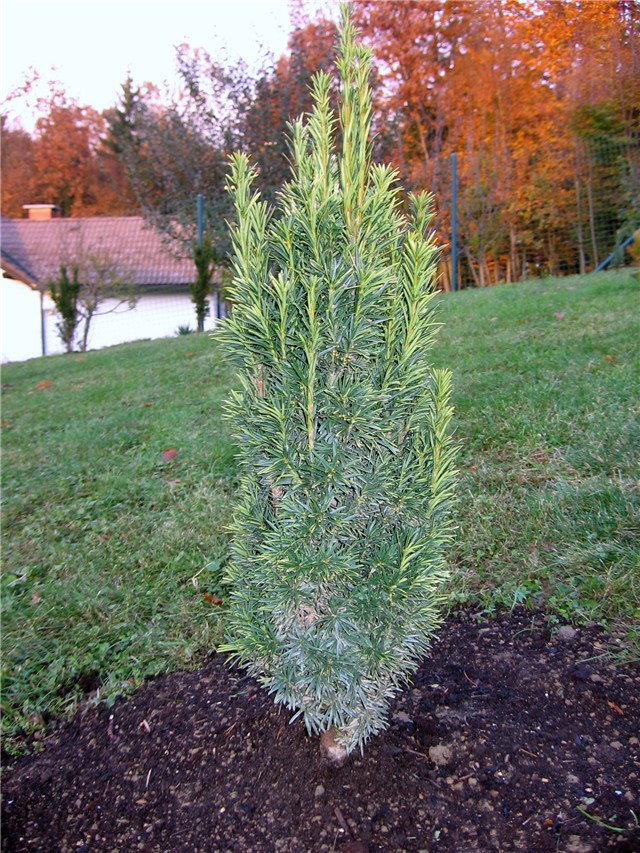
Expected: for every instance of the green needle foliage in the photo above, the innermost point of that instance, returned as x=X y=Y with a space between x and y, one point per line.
x=204 y=260
x=346 y=462
x=65 y=293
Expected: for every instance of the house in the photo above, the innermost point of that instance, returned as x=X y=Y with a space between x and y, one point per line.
x=33 y=251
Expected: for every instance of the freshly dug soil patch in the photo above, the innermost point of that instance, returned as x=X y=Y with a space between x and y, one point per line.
x=504 y=734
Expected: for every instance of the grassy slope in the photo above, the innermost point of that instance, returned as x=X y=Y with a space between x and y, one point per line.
x=547 y=405
x=102 y=537
x=108 y=549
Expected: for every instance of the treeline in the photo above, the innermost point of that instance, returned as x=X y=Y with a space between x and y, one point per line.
x=540 y=100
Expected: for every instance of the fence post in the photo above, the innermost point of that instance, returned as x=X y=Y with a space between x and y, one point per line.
x=200 y=219
x=454 y=221
x=43 y=326
x=200 y=225
x=608 y=260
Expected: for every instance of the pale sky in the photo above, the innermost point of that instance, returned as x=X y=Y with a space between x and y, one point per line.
x=93 y=44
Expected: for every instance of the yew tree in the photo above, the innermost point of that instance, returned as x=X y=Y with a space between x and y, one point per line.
x=341 y=421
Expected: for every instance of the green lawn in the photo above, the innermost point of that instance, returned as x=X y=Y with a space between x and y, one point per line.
x=547 y=399
x=109 y=549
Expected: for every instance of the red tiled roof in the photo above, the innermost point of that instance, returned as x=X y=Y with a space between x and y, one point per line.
x=34 y=250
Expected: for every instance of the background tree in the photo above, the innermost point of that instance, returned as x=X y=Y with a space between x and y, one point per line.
x=65 y=140
x=282 y=94
x=16 y=167
x=65 y=292
x=116 y=193
x=500 y=82
x=105 y=289
x=97 y=286
x=174 y=152
x=67 y=162
x=201 y=288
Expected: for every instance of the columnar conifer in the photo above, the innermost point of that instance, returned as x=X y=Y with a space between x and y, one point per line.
x=341 y=422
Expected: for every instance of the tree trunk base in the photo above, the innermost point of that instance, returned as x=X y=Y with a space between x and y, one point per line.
x=331 y=750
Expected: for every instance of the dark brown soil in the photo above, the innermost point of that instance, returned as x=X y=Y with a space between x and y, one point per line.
x=504 y=734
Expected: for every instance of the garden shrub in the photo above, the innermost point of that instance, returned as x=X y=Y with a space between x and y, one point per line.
x=341 y=423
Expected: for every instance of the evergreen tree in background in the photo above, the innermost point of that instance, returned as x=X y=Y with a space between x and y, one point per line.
x=204 y=260
x=346 y=462
x=65 y=293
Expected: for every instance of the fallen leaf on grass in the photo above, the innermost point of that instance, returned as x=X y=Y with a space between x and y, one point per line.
x=212 y=599
x=615 y=707
x=611 y=359
x=147 y=405
x=169 y=454
x=42 y=386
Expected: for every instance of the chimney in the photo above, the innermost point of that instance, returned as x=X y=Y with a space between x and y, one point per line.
x=41 y=212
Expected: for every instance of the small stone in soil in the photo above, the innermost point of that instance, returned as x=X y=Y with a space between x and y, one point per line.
x=333 y=751
x=566 y=633
x=440 y=754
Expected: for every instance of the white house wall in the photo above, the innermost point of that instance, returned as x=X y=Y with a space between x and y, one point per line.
x=153 y=316
x=19 y=321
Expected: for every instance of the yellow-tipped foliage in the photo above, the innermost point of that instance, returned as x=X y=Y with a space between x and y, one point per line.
x=347 y=466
